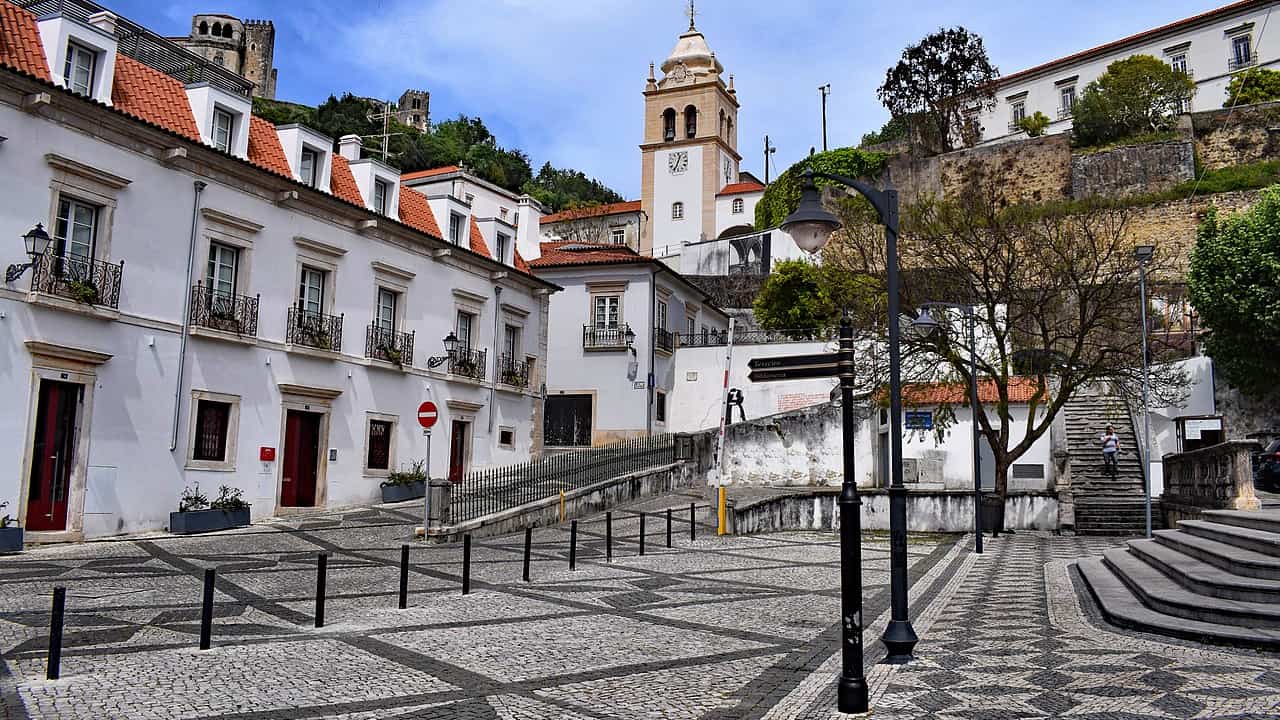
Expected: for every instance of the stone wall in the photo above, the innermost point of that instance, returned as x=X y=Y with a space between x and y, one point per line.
x=1032 y=170
x=1171 y=226
x=1218 y=477
x=1235 y=137
x=1132 y=170
x=1245 y=417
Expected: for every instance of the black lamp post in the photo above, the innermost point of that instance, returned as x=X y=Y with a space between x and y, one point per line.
x=37 y=241
x=630 y=336
x=1144 y=254
x=927 y=325
x=450 y=350
x=810 y=226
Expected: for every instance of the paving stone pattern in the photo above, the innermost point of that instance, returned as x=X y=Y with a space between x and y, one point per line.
x=736 y=627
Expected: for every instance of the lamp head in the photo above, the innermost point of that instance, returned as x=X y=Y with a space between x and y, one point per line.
x=37 y=241
x=925 y=324
x=1144 y=253
x=811 y=225
x=450 y=343
x=630 y=335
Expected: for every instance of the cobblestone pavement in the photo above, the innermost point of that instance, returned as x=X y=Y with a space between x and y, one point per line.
x=717 y=628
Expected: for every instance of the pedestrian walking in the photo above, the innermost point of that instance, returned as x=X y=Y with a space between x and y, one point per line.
x=1110 y=446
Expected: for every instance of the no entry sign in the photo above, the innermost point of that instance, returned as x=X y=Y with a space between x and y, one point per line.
x=427 y=414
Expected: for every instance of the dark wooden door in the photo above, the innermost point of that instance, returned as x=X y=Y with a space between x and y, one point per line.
x=301 y=459
x=457 y=451
x=567 y=420
x=53 y=455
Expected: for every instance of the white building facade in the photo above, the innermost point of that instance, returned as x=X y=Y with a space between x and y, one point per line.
x=227 y=303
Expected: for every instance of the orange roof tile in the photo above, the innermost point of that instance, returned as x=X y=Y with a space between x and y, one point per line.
x=520 y=263
x=742 y=187
x=265 y=150
x=342 y=183
x=593 y=211
x=415 y=212
x=20 y=46
x=150 y=95
x=428 y=173
x=564 y=253
x=477 y=240
x=1021 y=390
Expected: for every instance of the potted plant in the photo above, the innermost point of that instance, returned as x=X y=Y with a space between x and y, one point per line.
x=82 y=291
x=403 y=485
x=196 y=514
x=464 y=366
x=10 y=533
x=317 y=337
x=224 y=318
x=511 y=376
x=390 y=354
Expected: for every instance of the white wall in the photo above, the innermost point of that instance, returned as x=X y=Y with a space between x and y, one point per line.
x=727 y=218
x=1164 y=431
x=684 y=187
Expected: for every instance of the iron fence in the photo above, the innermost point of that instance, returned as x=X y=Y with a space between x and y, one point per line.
x=468 y=363
x=713 y=338
x=79 y=278
x=513 y=372
x=386 y=344
x=313 y=329
x=605 y=338
x=664 y=339
x=493 y=490
x=224 y=311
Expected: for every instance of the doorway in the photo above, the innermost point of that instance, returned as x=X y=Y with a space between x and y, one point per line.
x=567 y=422
x=53 y=455
x=301 y=459
x=458 y=450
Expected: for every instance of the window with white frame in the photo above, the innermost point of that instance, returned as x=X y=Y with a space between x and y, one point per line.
x=502 y=212
x=381 y=188
x=507 y=437
x=75 y=229
x=214 y=424
x=224 y=130
x=380 y=432
x=690 y=324
x=309 y=168
x=511 y=342
x=677 y=211
x=738 y=206
x=311 y=291
x=605 y=312
x=618 y=235
x=456 y=222
x=504 y=241
x=224 y=261
x=1068 y=97
x=79 y=69
x=1241 y=51
x=1179 y=63
x=1018 y=112
x=463 y=329
x=385 y=315
x=660 y=315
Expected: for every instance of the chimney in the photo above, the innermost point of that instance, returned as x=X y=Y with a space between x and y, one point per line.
x=104 y=21
x=349 y=146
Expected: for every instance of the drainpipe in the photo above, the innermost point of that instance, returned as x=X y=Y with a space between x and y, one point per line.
x=186 y=315
x=651 y=380
x=497 y=360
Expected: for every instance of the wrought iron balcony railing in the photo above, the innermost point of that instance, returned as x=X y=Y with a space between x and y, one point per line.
x=605 y=338
x=468 y=363
x=79 y=278
x=224 y=311
x=313 y=329
x=382 y=343
x=513 y=372
x=1065 y=113
x=664 y=339
x=1236 y=62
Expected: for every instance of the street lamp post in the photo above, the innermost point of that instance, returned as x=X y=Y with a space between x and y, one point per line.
x=810 y=226
x=1143 y=254
x=927 y=324
x=851 y=690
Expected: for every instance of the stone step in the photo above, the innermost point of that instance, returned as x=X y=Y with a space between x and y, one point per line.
x=1203 y=578
x=1160 y=593
x=1228 y=557
x=1259 y=541
x=1120 y=606
x=1268 y=520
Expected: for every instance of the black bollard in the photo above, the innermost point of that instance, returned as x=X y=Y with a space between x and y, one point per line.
x=573 y=545
x=528 y=545
x=642 y=534
x=466 y=564
x=322 y=565
x=668 y=527
x=693 y=517
x=206 y=610
x=55 y=633
x=608 y=537
x=404 y=576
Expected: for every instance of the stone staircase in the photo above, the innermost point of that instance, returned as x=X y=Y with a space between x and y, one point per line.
x=1104 y=505
x=1212 y=580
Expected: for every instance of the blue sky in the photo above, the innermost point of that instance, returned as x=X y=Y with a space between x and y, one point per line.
x=562 y=80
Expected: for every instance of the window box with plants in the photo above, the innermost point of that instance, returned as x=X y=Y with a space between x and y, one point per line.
x=196 y=514
x=10 y=533
x=402 y=485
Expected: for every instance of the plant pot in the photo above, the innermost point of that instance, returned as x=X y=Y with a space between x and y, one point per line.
x=992 y=513
x=198 y=521
x=11 y=539
x=401 y=493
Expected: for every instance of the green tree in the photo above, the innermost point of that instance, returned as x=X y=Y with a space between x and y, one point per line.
x=895 y=128
x=1254 y=85
x=1234 y=284
x=802 y=295
x=1034 y=125
x=565 y=189
x=1136 y=95
x=783 y=195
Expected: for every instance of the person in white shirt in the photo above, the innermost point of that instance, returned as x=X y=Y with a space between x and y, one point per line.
x=1110 y=446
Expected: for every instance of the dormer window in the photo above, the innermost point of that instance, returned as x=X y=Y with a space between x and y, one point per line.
x=381 y=188
x=307 y=168
x=223 y=129
x=504 y=241
x=79 y=69
x=455 y=228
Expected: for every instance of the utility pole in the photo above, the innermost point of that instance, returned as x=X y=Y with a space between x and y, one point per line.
x=824 y=91
x=385 y=116
x=769 y=149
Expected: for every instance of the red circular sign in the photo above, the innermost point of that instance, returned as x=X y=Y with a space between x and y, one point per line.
x=427 y=414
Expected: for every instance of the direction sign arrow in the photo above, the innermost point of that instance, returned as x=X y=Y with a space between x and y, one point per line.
x=785 y=361
x=794 y=373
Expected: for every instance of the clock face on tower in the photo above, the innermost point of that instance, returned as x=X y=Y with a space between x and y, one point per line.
x=678 y=162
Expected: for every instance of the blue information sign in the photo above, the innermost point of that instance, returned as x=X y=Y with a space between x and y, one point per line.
x=918 y=420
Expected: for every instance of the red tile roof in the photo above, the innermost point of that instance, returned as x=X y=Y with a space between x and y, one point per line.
x=20 y=46
x=150 y=95
x=265 y=150
x=1021 y=390
x=565 y=253
x=593 y=211
x=477 y=240
x=342 y=183
x=520 y=263
x=742 y=187
x=415 y=212
x=429 y=173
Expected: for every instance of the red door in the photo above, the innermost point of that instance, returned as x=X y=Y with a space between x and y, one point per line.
x=53 y=455
x=301 y=459
x=457 y=451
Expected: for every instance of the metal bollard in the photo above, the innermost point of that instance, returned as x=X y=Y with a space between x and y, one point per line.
x=641 y=534
x=528 y=545
x=206 y=610
x=608 y=537
x=693 y=518
x=55 y=633
x=466 y=564
x=322 y=565
x=404 y=576
x=668 y=527
x=573 y=545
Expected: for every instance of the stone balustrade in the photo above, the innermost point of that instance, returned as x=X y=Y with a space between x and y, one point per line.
x=1218 y=477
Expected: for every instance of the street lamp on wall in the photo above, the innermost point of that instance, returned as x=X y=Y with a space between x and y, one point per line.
x=37 y=242
x=450 y=349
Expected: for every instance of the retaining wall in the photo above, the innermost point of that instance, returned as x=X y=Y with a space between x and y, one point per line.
x=926 y=512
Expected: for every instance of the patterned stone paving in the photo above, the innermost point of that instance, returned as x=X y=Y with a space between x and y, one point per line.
x=719 y=628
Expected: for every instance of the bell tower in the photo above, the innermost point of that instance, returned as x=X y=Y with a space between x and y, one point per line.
x=690 y=148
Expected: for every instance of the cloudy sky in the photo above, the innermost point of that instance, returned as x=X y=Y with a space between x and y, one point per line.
x=562 y=80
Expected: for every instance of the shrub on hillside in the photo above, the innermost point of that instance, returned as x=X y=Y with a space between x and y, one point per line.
x=1136 y=95
x=1253 y=86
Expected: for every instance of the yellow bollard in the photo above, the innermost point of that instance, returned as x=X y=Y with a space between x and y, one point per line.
x=561 y=506
x=722 y=527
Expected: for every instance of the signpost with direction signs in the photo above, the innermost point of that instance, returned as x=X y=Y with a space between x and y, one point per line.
x=793 y=367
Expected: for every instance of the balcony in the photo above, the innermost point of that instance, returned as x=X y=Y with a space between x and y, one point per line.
x=1239 y=62
x=513 y=372
x=606 y=338
x=75 y=277
x=1065 y=113
x=314 y=330
x=225 y=312
x=468 y=363
x=1014 y=127
x=664 y=340
x=388 y=345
